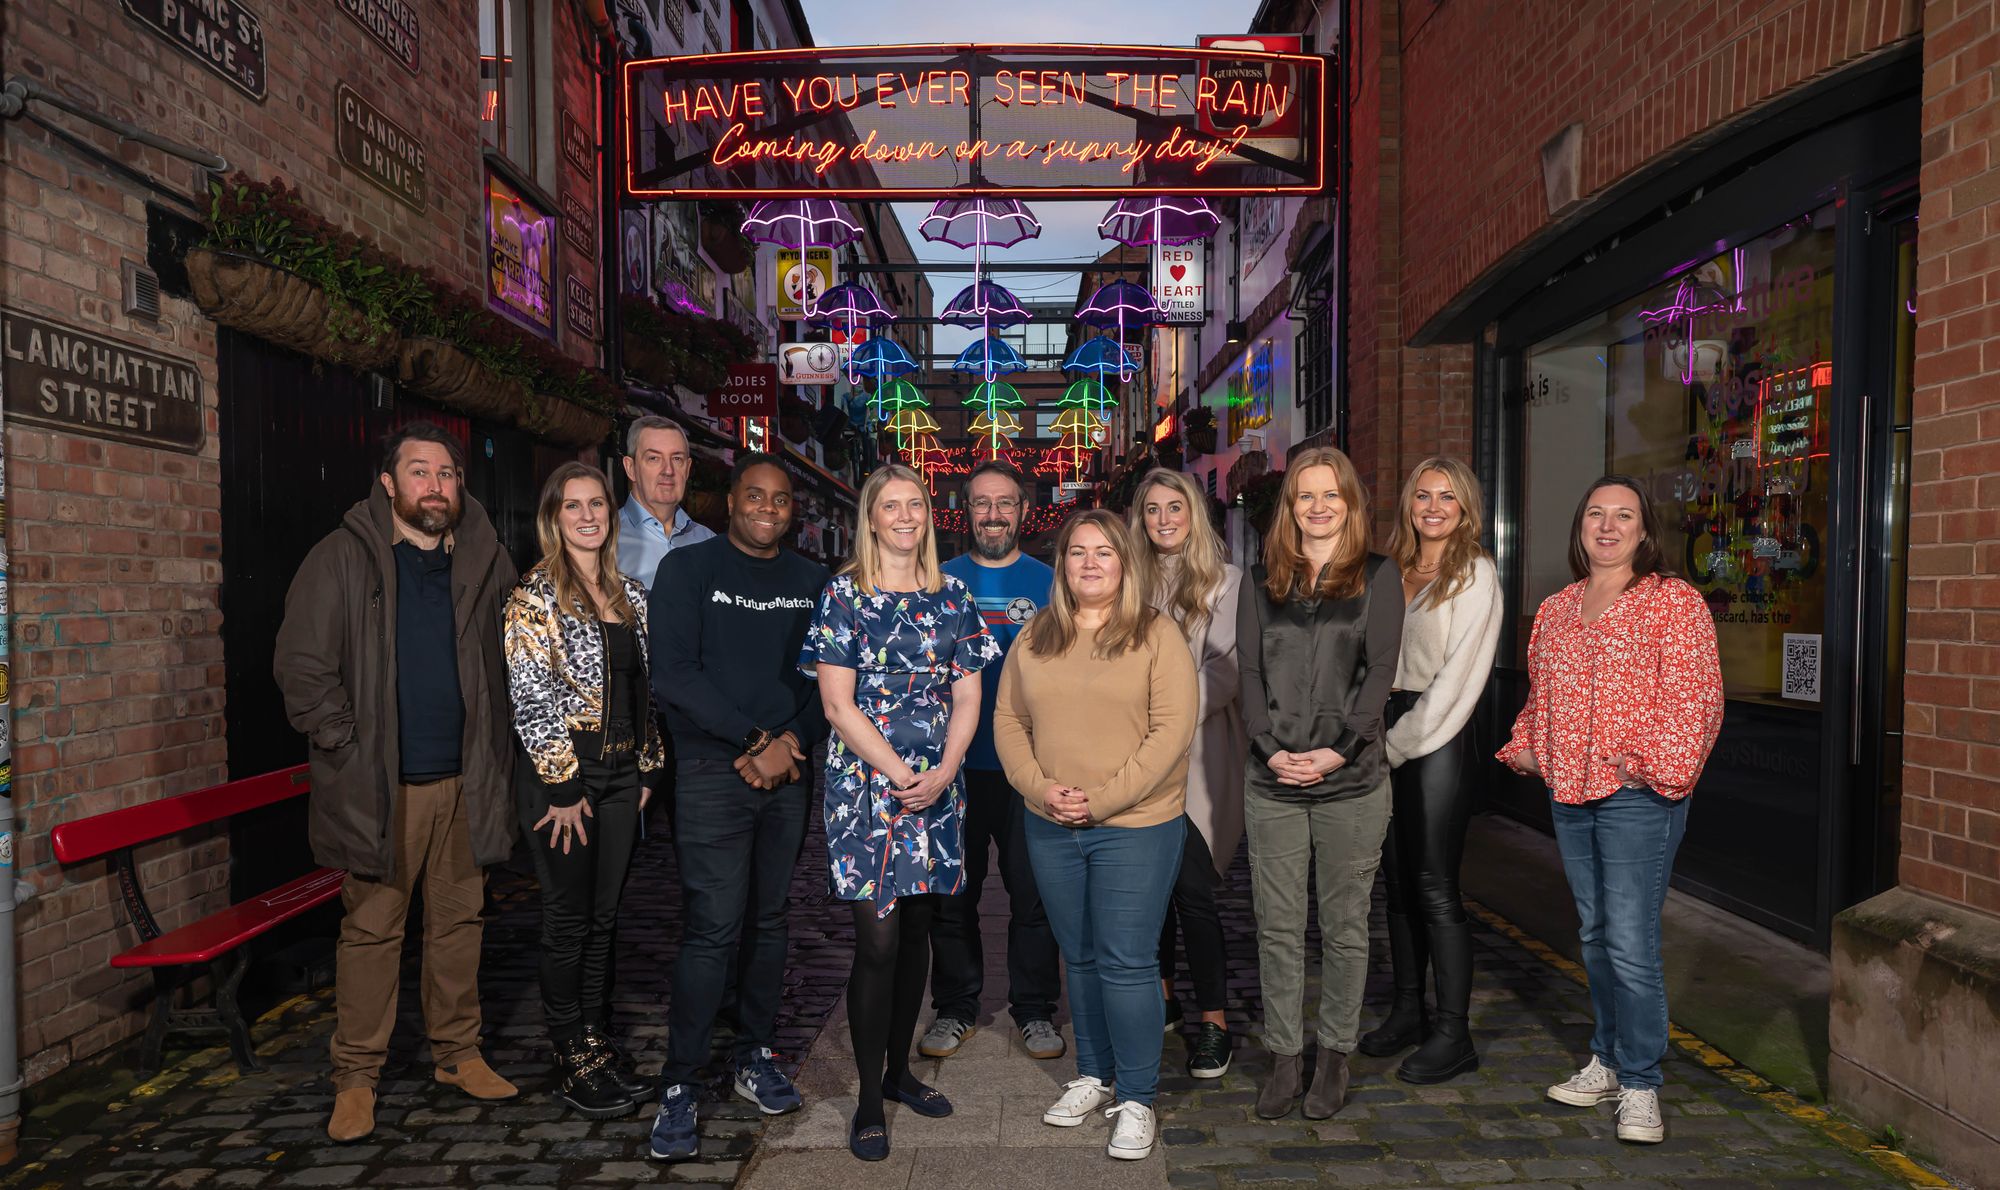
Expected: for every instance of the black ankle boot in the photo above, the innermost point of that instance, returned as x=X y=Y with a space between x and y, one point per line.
x=583 y=1081
x=1406 y=1024
x=1448 y=1051
x=619 y=1069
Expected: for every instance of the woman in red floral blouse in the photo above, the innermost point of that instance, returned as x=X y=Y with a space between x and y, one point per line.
x=1624 y=702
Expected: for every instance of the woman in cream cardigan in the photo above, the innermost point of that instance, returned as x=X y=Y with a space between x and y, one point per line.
x=1191 y=582
x=1451 y=623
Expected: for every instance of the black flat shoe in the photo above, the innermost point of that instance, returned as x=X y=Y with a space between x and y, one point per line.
x=870 y=1143
x=929 y=1101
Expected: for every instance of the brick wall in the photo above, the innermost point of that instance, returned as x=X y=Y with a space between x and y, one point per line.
x=117 y=665
x=1951 y=774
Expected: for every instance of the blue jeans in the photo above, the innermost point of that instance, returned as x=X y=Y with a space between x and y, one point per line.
x=1105 y=889
x=1618 y=852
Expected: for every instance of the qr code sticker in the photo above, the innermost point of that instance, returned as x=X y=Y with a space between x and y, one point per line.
x=1801 y=668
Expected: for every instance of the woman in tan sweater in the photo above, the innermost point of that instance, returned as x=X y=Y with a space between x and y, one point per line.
x=1093 y=727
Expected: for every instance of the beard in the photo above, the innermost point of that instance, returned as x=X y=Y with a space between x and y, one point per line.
x=429 y=518
x=989 y=549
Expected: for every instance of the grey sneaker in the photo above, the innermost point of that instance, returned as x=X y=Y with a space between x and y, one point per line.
x=1042 y=1040
x=944 y=1037
x=1588 y=1087
x=1639 y=1116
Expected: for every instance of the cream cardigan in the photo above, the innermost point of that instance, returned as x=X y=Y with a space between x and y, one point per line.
x=1215 y=765
x=1447 y=655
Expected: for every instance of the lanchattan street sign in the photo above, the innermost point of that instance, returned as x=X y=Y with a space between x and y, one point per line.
x=932 y=121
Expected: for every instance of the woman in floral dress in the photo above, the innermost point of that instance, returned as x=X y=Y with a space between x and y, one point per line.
x=897 y=646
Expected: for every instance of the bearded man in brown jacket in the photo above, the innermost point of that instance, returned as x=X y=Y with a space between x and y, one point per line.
x=390 y=662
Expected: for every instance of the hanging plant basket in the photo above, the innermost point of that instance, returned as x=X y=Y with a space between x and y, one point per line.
x=728 y=247
x=450 y=376
x=259 y=298
x=565 y=423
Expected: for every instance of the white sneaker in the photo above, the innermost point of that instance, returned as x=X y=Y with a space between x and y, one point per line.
x=1132 y=1135
x=1588 y=1087
x=1639 y=1116
x=1079 y=1098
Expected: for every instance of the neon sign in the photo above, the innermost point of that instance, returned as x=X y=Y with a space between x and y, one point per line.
x=953 y=120
x=520 y=256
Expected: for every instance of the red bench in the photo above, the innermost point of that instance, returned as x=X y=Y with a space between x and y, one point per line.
x=216 y=942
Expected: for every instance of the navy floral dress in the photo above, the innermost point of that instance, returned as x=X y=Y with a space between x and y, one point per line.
x=906 y=648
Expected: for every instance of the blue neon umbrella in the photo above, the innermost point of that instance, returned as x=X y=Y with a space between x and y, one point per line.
x=1102 y=355
x=989 y=357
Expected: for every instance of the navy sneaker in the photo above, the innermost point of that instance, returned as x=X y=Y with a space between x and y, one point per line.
x=761 y=1082
x=674 y=1137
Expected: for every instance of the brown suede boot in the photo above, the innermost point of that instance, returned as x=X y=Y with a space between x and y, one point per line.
x=1280 y=1088
x=1329 y=1090
x=477 y=1079
x=353 y=1114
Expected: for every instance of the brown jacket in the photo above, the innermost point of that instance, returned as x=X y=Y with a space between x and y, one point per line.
x=336 y=665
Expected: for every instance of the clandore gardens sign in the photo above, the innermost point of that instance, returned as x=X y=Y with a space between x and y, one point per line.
x=937 y=121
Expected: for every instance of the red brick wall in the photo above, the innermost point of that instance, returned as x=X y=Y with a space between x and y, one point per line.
x=117 y=671
x=1951 y=774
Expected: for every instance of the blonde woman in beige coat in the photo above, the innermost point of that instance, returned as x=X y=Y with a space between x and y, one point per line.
x=1192 y=583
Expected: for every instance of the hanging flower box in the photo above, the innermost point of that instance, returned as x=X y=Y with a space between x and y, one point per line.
x=260 y=298
x=450 y=376
x=564 y=422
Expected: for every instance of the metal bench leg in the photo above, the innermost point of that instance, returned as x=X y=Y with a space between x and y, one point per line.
x=165 y=984
x=229 y=974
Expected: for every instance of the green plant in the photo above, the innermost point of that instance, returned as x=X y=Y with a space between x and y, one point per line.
x=1260 y=498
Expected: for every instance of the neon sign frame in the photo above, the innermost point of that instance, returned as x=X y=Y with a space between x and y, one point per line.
x=969 y=71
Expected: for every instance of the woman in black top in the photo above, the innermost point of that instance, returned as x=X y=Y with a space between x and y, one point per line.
x=583 y=709
x=1318 y=626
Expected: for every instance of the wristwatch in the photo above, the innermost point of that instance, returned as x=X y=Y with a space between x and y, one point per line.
x=756 y=741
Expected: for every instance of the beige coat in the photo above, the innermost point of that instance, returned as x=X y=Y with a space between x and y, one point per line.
x=1215 y=764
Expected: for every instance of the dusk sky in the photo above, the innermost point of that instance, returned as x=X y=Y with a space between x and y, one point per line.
x=1069 y=228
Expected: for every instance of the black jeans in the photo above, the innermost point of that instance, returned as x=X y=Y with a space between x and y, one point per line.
x=1193 y=909
x=736 y=847
x=993 y=814
x=581 y=892
x=1429 y=808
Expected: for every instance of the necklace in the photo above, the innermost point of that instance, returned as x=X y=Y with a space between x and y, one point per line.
x=1431 y=569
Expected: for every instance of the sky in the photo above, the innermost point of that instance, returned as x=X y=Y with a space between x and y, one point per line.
x=1069 y=228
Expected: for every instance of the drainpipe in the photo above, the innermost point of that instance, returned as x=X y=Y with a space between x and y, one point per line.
x=10 y=1024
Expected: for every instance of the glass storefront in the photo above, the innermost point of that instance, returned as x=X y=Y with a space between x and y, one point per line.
x=1714 y=390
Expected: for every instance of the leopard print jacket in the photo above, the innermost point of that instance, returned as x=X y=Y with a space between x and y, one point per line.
x=555 y=674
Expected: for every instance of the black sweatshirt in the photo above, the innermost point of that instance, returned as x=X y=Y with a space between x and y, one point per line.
x=726 y=628
x=430 y=715
x=1315 y=674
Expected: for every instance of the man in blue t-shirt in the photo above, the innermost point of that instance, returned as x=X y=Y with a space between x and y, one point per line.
x=1009 y=587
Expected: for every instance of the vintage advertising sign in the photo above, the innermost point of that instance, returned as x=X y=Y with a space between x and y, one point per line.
x=1180 y=283
x=808 y=363
x=580 y=306
x=380 y=149
x=750 y=390
x=579 y=146
x=1267 y=62
x=520 y=256
x=394 y=23
x=579 y=224
x=72 y=380
x=925 y=121
x=223 y=35
x=801 y=283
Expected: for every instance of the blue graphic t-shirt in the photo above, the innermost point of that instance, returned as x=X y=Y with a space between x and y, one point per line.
x=1007 y=596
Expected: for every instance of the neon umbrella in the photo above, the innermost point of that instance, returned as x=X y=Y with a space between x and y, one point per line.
x=980 y=223
x=984 y=304
x=898 y=397
x=908 y=423
x=994 y=399
x=1101 y=355
x=801 y=223
x=989 y=357
x=882 y=358
x=849 y=302
x=1159 y=219
x=1091 y=396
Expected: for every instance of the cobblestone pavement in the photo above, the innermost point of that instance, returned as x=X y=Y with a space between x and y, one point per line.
x=200 y=1124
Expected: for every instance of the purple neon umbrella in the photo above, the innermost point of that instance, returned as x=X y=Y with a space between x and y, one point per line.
x=1159 y=219
x=983 y=303
x=1118 y=304
x=980 y=223
x=801 y=223
x=851 y=304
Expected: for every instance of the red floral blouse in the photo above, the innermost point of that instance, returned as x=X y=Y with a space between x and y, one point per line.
x=1644 y=679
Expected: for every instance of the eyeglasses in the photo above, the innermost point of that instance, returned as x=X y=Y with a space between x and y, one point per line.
x=984 y=505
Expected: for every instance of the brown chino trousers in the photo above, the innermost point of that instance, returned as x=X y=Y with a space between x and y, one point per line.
x=432 y=844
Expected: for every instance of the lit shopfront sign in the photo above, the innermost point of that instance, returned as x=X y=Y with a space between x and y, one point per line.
x=520 y=256
x=940 y=120
x=1250 y=392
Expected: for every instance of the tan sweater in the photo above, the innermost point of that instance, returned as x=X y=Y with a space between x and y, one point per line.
x=1117 y=729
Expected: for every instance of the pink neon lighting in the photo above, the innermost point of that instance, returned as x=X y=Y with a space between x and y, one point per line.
x=1688 y=306
x=801 y=223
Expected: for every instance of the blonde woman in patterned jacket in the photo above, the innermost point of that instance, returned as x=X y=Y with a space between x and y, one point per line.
x=583 y=709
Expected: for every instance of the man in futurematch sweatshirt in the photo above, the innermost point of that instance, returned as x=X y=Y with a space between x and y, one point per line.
x=727 y=619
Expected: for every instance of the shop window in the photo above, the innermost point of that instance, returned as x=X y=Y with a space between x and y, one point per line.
x=1314 y=367
x=512 y=40
x=1714 y=391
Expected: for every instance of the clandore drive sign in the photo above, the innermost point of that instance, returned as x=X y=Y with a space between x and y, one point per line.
x=58 y=376
x=936 y=121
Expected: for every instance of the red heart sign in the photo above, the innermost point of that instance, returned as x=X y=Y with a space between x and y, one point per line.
x=1178 y=271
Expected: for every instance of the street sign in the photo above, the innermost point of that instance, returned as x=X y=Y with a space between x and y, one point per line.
x=808 y=363
x=750 y=390
x=1180 y=283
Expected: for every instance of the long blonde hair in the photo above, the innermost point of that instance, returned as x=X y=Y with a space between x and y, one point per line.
x=1462 y=549
x=572 y=594
x=1053 y=630
x=1285 y=564
x=1201 y=553
x=865 y=567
